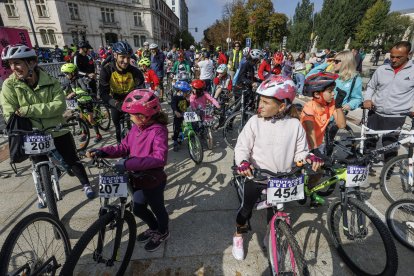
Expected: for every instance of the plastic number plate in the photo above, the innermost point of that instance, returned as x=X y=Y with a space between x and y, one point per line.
x=38 y=144
x=356 y=176
x=191 y=117
x=280 y=190
x=113 y=186
x=71 y=104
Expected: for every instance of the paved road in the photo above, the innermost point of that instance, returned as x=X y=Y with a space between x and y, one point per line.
x=202 y=206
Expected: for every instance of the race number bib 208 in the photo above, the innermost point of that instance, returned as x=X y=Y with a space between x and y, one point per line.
x=356 y=176
x=113 y=186
x=280 y=190
x=38 y=144
x=191 y=117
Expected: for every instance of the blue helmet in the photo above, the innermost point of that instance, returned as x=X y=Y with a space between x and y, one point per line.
x=122 y=47
x=182 y=86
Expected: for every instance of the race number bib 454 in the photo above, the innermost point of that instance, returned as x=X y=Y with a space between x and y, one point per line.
x=38 y=144
x=356 y=176
x=191 y=117
x=280 y=190
x=113 y=186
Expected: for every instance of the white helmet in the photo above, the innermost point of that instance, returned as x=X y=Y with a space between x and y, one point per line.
x=256 y=54
x=18 y=51
x=279 y=87
x=246 y=51
x=153 y=46
x=222 y=68
x=146 y=43
x=192 y=48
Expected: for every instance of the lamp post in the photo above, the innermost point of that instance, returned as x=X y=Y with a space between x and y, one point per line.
x=31 y=22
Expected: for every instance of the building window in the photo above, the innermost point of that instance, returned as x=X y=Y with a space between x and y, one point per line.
x=136 y=41
x=136 y=1
x=108 y=15
x=73 y=11
x=173 y=9
x=75 y=37
x=41 y=8
x=11 y=8
x=143 y=39
x=137 y=19
x=52 y=37
x=173 y=2
x=43 y=36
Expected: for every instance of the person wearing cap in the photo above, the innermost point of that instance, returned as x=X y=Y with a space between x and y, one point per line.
x=85 y=64
x=146 y=52
x=31 y=93
x=157 y=59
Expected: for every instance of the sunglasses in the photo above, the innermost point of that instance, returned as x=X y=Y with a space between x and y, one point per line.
x=336 y=61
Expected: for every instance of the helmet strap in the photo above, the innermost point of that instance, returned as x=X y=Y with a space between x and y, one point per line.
x=320 y=100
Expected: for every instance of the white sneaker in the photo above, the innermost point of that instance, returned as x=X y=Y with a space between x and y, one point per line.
x=237 y=250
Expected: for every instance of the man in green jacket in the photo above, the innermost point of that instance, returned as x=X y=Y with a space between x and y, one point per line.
x=30 y=92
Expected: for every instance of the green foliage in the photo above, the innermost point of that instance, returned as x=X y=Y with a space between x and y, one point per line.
x=301 y=28
x=187 y=39
x=395 y=27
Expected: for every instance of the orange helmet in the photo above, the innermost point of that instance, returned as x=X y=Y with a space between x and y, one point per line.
x=278 y=58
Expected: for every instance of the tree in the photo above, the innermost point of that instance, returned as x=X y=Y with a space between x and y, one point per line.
x=373 y=23
x=278 y=28
x=187 y=39
x=396 y=26
x=301 y=28
x=259 y=12
x=239 y=22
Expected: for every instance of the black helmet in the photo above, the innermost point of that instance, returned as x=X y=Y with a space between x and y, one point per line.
x=83 y=44
x=318 y=82
x=122 y=47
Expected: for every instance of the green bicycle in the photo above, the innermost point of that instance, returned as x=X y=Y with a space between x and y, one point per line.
x=195 y=149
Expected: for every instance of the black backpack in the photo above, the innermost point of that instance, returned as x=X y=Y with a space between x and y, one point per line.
x=16 y=142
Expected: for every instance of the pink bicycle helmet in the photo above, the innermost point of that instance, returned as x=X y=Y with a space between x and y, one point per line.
x=141 y=101
x=278 y=87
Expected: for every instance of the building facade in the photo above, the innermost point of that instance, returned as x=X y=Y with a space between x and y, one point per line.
x=100 y=22
x=179 y=7
x=409 y=34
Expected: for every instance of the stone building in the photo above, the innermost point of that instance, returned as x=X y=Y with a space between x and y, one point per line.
x=179 y=7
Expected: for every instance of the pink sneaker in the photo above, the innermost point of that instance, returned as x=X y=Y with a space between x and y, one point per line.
x=237 y=250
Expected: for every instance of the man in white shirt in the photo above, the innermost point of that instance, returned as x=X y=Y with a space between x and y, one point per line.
x=206 y=70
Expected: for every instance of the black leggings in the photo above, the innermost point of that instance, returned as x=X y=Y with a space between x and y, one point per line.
x=252 y=192
x=177 y=127
x=66 y=147
x=158 y=218
x=116 y=118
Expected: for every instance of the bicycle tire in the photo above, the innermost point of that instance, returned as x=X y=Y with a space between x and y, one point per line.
x=405 y=191
x=401 y=230
x=209 y=138
x=45 y=177
x=388 y=245
x=29 y=223
x=95 y=230
x=284 y=230
x=232 y=129
x=101 y=115
x=77 y=133
x=194 y=145
x=238 y=185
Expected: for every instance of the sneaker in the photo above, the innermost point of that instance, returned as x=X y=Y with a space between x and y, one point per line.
x=237 y=250
x=90 y=194
x=156 y=240
x=41 y=205
x=98 y=138
x=83 y=138
x=146 y=235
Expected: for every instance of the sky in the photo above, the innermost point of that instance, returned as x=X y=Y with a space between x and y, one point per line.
x=202 y=13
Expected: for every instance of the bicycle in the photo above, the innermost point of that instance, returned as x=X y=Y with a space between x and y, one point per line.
x=332 y=134
x=37 y=245
x=195 y=148
x=125 y=124
x=284 y=253
x=236 y=121
x=400 y=220
x=47 y=165
x=109 y=242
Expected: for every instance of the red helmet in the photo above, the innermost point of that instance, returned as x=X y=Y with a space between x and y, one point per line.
x=198 y=84
x=278 y=87
x=318 y=82
x=180 y=56
x=278 y=57
x=141 y=101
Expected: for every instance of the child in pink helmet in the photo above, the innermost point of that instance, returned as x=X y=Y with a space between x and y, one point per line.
x=144 y=150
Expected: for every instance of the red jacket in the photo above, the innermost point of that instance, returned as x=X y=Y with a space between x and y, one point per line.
x=224 y=81
x=151 y=79
x=222 y=59
x=264 y=66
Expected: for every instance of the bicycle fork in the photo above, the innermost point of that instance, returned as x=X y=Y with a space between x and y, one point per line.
x=354 y=225
x=39 y=183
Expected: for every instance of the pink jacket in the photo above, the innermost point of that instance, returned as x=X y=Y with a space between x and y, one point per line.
x=201 y=102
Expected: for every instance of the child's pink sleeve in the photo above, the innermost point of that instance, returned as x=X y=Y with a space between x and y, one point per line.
x=212 y=100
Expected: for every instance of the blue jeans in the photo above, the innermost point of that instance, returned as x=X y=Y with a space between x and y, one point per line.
x=300 y=82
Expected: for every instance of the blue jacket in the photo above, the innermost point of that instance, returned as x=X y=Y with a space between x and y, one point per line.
x=157 y=63
x=353 y=99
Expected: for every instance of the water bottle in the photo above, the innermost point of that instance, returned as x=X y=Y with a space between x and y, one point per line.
x=60 y=162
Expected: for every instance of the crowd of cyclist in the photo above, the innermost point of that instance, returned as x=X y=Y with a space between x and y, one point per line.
x=133 y=82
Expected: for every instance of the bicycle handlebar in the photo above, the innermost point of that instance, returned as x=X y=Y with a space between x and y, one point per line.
x=35 y=130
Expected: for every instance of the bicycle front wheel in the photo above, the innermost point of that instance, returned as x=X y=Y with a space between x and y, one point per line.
x=95 y=252
x=234 y=125
x=195 y=149
x=400 y=220
x=394 y=179
x=37 y=245
x=361 y=238
x=48 y=189
x=80 y=133
x=103 y=117
x=284 y=249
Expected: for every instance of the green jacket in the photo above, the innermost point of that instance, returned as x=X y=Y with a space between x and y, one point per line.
x=44 y=105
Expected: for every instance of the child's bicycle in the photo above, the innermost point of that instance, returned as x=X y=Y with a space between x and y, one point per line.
x=80 y=131
x=107 y=245
x=400 y=220
x=195 y=148
x=285 y=255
